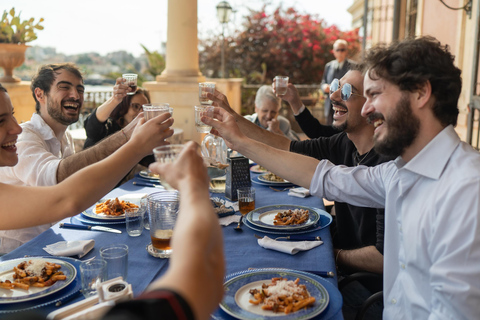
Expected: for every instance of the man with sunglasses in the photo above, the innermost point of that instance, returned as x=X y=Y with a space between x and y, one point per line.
x=334 y=69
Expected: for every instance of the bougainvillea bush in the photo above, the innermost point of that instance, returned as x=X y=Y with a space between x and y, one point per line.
x=284 y=42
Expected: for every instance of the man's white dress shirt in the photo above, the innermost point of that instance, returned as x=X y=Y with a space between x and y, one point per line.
x=432 y=226
x=39 y=154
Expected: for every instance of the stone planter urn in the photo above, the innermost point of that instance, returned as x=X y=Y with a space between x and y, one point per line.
x=11 y=57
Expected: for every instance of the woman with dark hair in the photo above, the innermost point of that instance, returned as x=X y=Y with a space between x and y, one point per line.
x=115 y=113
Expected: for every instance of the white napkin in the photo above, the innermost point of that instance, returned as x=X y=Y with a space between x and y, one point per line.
x=225 y=221
x=70 y=248
x=290 y=247
x=234 y=205
x=299 y=192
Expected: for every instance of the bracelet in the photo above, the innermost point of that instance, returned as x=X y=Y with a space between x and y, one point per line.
x=124 y=134
x=336 y=258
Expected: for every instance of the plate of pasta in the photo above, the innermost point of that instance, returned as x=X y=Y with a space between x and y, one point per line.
x=113 y=209
x=274 y=293
x=284 y=217
x=31 y=278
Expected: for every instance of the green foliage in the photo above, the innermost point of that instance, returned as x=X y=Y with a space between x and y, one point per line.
x=13 y=30
x=156 y=62
x=284 y=42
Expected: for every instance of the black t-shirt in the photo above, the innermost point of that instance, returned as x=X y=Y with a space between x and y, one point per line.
x=312 y=127
x=355 y=227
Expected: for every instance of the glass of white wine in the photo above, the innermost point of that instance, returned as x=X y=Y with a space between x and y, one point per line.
x=167 y=154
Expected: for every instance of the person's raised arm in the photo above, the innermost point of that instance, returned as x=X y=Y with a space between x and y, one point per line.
x=250 y=129
x=29 y=206
x=291 y=96
x=119 y=92
x=104 y=148
x=278 y=161
x=197 y=267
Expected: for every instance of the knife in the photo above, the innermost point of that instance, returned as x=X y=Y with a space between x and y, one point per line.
x=151 y=185
x=300 y=238
x=82 y=227
x=324 y=274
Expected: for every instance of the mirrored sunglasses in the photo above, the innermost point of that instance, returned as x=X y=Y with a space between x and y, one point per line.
x=345 y=90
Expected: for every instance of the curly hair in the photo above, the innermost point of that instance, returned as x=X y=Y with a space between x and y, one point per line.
x=411 y=63
x=121 y=109
x=46 y=76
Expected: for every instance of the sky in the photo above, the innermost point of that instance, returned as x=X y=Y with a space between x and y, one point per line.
x=103 y=26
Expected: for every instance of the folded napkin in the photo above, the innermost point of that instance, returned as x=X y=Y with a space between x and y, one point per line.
x=225 y=221
x=70 y=248
x=290 y=247
x=299 y=192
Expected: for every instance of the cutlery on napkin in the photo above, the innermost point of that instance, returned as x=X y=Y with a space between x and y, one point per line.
x=299 y=192
x=290 y=247
x=70 y=248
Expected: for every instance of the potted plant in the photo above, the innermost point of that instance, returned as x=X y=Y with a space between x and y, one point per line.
x=14 y=33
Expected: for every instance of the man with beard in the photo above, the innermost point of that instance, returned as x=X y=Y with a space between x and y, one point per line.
x=45 y=150
x=430 y=191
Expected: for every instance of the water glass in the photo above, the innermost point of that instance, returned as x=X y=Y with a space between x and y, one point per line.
x=167 y=154
x=151 y=110
x=116 y=256
x=203 y=89
x=131 y=81
x=134 y=221
x=281 y=83
x=163 y=211
x=93 y=273
x=143 y=206
x=246 y=200
x=199 y=112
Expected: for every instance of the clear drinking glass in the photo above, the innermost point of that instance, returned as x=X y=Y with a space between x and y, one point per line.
x=167 y=154
x=246 y=200
x=281 y=83
x=151 y=110
x=203 y=89
x=93 y=273
x=199 y=112
x=131 y=81
x=116 y=256
x=134 y=221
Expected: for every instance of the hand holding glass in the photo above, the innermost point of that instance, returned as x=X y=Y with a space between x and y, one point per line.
x=281 y=84
x=199 y=112
x=152 y=110
x=167 y=154
x=203 y=89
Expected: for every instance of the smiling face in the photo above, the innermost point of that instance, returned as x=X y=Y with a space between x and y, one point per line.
x=267 y=110
x=135 y=108
x=9 y=131
x=347 y=114
x=390 y=111
x=65 y=99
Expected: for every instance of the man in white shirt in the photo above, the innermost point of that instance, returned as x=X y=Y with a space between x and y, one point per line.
x=430 y=192
x=45 y=149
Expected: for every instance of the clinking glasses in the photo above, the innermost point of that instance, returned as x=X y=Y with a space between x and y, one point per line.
x=345 y=90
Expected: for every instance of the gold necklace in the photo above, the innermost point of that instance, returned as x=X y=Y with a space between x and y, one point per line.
x=357 y=157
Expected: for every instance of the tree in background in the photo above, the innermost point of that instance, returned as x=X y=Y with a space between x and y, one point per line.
x=282 y=43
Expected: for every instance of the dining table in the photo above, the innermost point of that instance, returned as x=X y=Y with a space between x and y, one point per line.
x=241 y=250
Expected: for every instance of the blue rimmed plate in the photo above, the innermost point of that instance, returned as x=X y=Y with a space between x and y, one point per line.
x=263 y=217
x=18 y=295
x=256 y=180
x=235 y=300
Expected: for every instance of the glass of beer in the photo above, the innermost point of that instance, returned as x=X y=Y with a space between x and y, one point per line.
x=281 y=83
x=162 y=213
x=246 y=200
x=151 y=110
x=131 y=81
x=203 y=89
x=199 y=112
x=167 y=154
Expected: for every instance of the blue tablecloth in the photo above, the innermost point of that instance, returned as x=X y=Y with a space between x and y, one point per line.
x=241 y=248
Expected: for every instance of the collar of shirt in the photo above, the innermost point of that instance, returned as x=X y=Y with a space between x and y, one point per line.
x=432 y=159
x=339 y=65
x=42 y=127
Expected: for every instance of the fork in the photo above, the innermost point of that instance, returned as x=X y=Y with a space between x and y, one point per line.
x=280 y=190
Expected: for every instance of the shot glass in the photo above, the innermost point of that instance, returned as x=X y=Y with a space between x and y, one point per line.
x=167 y=154
x=93 y=273
x=131 y=81
x=246 y=200
x=163 y=210
x=116 y=256
x=281 y=83
x=203 y=89
x=134 y=221
x=199 y=112
x=152 y=110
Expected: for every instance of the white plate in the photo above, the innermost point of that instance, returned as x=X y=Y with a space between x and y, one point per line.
x=258 y=169
x=132 y=197
x=263 y=217
x=148 y=175
x=263 y=179
x=19 y=295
